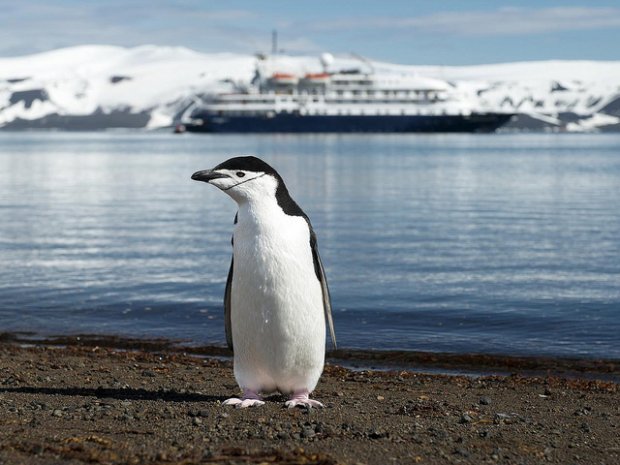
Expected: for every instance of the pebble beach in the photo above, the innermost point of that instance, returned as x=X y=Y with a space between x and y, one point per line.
x=90 y=404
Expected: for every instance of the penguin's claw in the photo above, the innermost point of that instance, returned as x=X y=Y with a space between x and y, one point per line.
x=243 y=403
x=249 y=399
x=232 y=401
x=302 y=399
x=308 y=403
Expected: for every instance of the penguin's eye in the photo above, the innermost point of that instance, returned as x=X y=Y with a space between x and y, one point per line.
x=240 y=174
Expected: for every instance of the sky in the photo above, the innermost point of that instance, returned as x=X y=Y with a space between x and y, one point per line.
x=416 y=32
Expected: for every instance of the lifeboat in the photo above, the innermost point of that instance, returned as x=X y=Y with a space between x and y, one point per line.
x=317 y=77
x=284 y=78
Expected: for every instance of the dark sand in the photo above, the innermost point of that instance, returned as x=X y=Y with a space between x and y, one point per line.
x=96 y=405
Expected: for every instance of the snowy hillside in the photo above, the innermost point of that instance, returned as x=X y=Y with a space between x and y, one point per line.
x=101 y=86
x=94 y=87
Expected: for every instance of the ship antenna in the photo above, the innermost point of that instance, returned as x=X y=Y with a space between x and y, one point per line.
x=274 y=42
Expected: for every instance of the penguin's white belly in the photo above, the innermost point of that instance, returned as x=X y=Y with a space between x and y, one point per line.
x=277 y=319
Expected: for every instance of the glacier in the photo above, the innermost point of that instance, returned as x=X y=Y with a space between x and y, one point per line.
x=94 y=87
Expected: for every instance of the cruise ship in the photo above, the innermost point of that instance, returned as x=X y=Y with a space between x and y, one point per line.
x=357 y=99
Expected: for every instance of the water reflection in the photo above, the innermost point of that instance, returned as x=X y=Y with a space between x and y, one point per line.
x=454 y=243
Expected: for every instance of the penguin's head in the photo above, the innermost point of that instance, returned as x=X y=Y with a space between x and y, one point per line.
x=243 y=178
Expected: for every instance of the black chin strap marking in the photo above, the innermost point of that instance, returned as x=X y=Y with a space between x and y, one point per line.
x=239 y=183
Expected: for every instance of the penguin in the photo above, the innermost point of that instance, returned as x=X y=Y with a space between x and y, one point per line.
x=276 y=300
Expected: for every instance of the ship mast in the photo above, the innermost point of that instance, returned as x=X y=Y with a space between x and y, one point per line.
x=274 y=42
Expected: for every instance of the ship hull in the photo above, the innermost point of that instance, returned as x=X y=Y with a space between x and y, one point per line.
x=292 y=123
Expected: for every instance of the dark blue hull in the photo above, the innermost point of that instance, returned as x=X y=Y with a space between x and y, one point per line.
x=286 y=122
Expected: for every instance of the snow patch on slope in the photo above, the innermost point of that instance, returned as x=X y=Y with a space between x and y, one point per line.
x=82 y=80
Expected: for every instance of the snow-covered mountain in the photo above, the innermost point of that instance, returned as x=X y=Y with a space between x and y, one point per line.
x=94 y=87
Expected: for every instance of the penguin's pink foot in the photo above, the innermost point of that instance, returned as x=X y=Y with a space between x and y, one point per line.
x=249 y=399
x=302 y=399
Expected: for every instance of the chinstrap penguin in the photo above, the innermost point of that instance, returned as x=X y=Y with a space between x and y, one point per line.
x=276 y=300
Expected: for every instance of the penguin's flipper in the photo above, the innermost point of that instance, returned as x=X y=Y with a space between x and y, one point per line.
x=227 y=323
x=320 y=274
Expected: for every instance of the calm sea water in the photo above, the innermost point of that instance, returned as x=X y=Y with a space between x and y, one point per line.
x=462 y=243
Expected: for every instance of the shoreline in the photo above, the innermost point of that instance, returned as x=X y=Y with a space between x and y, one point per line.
x=81 y=404
x=448 y=363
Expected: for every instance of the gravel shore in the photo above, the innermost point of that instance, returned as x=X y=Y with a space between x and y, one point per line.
x=77 y=405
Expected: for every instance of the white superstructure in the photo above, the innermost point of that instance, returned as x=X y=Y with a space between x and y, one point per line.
x=344 y=92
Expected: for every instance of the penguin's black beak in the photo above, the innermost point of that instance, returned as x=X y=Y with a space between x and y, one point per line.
x=207 y=175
